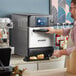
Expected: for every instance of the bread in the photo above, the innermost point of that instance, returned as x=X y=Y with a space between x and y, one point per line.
x=40 y=56
x=33 y=57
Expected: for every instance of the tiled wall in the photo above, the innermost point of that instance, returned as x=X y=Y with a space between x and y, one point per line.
x=60 y=11
x=68 y=14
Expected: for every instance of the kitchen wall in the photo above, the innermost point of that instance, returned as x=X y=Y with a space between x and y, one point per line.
x=8 y=7
x=68 y=14
x=60 y=10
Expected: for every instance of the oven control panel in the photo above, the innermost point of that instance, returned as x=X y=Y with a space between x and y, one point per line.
x=41 y=21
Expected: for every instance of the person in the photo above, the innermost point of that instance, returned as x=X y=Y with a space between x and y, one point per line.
x=67 y=31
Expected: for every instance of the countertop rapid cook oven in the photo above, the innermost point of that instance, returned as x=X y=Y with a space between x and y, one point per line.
x=29 y=37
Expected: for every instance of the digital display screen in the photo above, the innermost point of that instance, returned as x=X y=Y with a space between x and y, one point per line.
x=41 y=21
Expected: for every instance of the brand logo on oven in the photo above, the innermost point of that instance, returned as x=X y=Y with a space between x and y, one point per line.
x=42 y=40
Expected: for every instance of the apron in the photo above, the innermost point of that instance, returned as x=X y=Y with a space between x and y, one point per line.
x=69 y=44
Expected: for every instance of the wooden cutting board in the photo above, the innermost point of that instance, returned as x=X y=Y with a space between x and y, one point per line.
x=68 y=74
x=50 y=72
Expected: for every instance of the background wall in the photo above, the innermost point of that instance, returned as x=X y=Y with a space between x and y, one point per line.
x=60 y=8
x=8 y=7
x=60 y=11
x=68 y=14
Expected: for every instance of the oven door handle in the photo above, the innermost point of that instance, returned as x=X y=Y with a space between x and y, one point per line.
x=40 y=30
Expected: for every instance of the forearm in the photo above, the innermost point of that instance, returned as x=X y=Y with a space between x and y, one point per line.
x=58 y=31
x=63 y=52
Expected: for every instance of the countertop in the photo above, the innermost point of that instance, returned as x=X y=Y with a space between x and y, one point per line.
x=51 y=72
x=16 y=59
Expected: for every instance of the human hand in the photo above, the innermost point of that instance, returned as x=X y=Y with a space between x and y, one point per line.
x=57 y=53
x=51 y=30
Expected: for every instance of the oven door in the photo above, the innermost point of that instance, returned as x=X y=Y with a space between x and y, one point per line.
x=39 y=38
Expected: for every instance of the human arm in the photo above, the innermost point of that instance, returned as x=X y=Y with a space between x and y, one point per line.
x=56 y=31
x=63 y=31
x=68 y=51
x=59 y=53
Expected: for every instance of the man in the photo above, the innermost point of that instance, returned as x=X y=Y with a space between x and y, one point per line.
x=67 y=31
